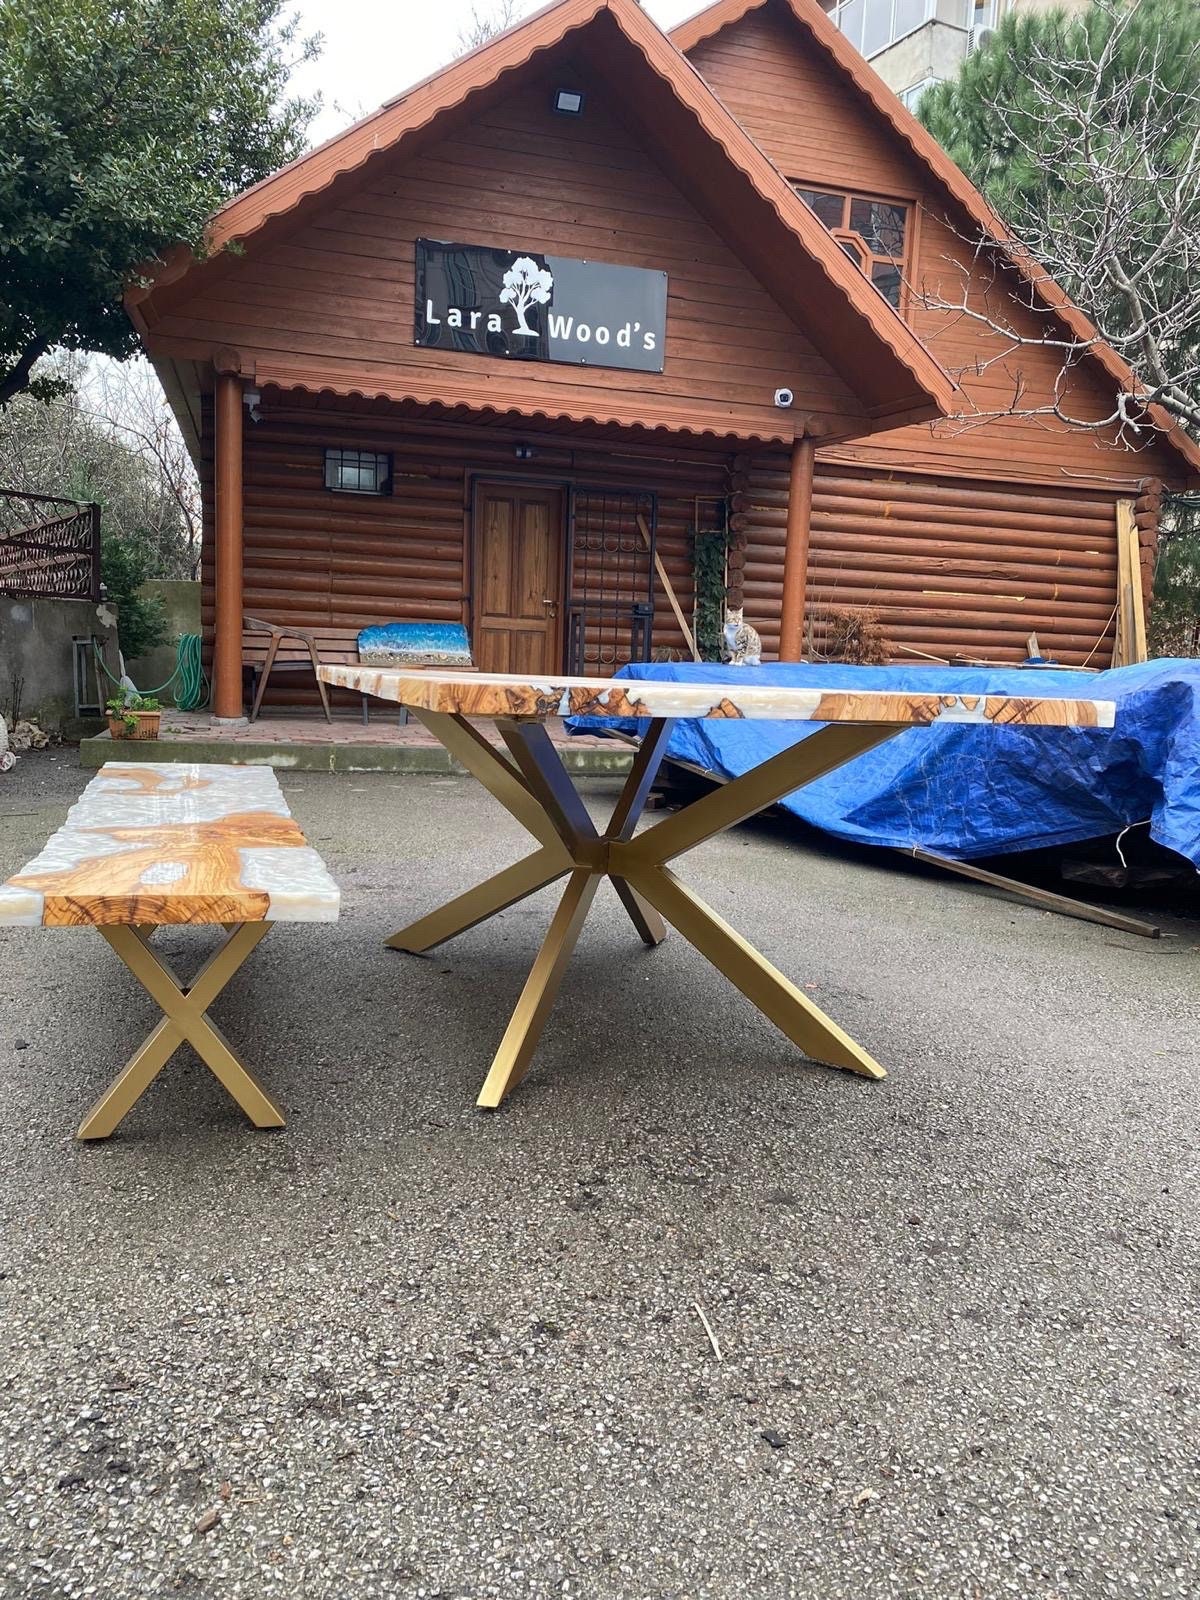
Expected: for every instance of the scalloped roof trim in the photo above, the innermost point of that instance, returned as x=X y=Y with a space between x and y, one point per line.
x=512 y=50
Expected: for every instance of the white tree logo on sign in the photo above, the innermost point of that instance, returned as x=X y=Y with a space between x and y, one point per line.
x=526 y=284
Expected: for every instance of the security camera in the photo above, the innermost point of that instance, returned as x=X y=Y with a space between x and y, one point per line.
x=784 y=397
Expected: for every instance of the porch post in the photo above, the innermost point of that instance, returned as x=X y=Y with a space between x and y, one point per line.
x=795 y=554
x=227 y=484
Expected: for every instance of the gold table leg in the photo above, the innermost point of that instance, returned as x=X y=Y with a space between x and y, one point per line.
x=774 y=995
x=524 y=1030
x=535 y=787
x=496 y=894
x=183 y=1020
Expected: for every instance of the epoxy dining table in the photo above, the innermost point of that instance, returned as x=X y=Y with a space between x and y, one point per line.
x=529 y=779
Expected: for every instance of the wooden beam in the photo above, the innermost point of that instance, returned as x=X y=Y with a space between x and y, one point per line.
x=227 y=484
x=1131 y=600
x=1046 y=898
x=689 y=638
x=795 y=557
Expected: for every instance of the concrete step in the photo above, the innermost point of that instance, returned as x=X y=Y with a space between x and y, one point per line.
x=587 y=760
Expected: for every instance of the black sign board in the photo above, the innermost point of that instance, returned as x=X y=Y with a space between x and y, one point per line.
x=527 y=307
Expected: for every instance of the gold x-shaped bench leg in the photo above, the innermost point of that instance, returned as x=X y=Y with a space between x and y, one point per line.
x=183 y=1021
x=535 y=787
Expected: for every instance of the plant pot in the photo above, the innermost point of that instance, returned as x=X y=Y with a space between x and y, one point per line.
x=145 y=725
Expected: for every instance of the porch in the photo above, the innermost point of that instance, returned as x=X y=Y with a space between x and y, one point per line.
x=558 y=550
x=302 y=741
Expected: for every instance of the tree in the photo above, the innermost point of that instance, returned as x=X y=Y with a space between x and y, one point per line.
x=122 y=128
x=486 y=22
x=526 y=284
x=63 y=446
x=127 y=399
x=1084 y=133
x=125 y=565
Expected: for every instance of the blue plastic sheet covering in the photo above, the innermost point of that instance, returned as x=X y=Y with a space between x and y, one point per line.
x=965 y=790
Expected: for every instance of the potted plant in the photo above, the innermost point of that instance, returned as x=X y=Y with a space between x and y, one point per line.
x=133 y=716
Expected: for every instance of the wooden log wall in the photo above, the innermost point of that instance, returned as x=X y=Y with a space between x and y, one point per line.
x=952 y=567
x=324 y=561
x=1147 y=518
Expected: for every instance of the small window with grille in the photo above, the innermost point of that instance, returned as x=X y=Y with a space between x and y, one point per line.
x=358 y=472
x=874 y=233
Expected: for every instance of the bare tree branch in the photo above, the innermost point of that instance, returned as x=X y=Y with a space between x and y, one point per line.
x=486 y=21
x=1104 y=142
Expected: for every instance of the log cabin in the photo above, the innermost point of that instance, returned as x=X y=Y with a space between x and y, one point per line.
x=508 y=351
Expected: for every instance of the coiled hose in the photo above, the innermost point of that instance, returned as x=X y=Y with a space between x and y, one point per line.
x=193 y=687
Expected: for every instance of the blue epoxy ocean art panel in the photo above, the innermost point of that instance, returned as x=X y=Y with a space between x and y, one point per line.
x=410 y=644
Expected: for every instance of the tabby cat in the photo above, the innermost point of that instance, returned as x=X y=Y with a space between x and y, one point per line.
x=740 y=643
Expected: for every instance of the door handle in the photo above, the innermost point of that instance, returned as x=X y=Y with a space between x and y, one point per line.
x=551 y=606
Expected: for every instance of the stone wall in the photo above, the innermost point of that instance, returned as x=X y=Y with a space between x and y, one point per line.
x=37 y=660
x=181 y=597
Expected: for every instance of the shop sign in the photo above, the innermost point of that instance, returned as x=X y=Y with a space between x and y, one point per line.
x=523 y=306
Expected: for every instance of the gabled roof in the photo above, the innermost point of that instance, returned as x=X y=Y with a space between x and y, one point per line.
x=703 y=147
x=871 y=88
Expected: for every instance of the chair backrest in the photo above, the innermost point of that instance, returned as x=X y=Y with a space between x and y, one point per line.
x=338 y=645
x=415 y=644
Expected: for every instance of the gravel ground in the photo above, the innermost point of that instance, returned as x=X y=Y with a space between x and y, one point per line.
x=404 y=1348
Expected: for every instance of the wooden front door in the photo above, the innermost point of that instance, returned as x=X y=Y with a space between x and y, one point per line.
x=518 y=565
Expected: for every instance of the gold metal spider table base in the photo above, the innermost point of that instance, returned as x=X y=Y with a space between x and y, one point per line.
x=532 y=783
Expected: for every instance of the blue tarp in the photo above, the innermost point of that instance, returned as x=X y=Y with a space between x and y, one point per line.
x=964 y=790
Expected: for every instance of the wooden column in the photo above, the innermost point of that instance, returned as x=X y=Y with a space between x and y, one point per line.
x=227 y=486
x=795 y=555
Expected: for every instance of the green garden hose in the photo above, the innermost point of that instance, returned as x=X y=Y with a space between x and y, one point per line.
x=193 y=685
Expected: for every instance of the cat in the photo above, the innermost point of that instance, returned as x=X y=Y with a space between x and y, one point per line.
x=740 y=643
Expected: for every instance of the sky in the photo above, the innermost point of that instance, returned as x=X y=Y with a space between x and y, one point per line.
x=376 y=48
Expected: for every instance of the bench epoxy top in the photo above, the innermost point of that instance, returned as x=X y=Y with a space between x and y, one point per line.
x=173 y=844
x=503 y=694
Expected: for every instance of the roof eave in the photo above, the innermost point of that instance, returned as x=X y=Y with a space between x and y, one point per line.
x=901 y=364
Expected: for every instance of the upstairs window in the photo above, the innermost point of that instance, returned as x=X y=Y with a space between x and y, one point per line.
x=874 y=233
x=873 y=25
x=358 y=472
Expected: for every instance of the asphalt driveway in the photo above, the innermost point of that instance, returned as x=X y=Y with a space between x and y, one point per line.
x=404 y=1348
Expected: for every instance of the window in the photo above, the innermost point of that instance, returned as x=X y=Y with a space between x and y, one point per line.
x=911 y=97
x=872 y=232
x=358 y=472
x=872 y=25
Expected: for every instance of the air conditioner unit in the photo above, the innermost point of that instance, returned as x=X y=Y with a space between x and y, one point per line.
x=979 y=36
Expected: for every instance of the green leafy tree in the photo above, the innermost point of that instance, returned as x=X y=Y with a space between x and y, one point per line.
x=1083 y=130
x=122 y=128
x=125 y=565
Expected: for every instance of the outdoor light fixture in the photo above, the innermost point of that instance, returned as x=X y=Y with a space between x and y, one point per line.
x=568 y=102
x=251 y=399
x=524 y=452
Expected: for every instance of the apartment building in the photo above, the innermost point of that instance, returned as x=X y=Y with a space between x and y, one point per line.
x=913 y=44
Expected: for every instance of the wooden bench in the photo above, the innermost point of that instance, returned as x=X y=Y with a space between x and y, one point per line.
x=148 y=846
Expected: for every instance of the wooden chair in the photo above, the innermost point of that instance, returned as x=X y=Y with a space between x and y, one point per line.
x=278 y=647
x=272 y=647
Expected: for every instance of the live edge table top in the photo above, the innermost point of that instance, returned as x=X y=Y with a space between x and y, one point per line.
x=514 y=696
x=153 y=844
